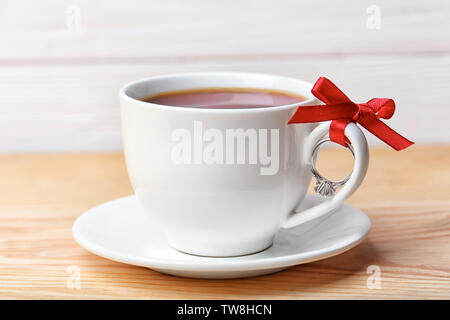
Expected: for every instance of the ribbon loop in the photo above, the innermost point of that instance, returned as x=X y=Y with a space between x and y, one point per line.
x=384 y=108
x=341 y=110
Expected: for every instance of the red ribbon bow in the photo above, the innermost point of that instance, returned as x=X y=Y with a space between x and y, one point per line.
x=339 y=108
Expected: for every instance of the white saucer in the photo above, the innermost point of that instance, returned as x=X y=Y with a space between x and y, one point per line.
x=120 y=230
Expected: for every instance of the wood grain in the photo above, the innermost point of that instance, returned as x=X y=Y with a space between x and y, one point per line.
x=406 y=194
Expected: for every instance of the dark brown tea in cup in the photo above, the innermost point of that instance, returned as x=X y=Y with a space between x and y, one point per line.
x=225 y=98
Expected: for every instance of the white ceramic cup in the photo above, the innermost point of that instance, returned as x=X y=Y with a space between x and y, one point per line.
x=210 y=207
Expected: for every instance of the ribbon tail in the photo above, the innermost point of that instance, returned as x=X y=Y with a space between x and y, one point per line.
x=337 y=131
x=384 y=133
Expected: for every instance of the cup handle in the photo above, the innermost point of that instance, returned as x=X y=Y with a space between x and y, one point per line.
x=360 y=152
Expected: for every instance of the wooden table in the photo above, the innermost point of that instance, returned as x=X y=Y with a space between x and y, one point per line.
x=406 y=194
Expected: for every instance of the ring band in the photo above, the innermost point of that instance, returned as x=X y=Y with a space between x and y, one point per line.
x=325 y=186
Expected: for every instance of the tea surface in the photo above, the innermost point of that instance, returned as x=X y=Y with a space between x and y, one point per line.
x=225 y=98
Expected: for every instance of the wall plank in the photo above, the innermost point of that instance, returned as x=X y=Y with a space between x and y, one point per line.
x=58 y=84
x=75 y=107
x=148 y=29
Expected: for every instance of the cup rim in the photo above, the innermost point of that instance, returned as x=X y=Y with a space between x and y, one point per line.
x=123 y=95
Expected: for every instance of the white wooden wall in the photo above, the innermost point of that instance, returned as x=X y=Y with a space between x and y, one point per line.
x=59 y=83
